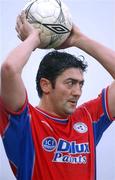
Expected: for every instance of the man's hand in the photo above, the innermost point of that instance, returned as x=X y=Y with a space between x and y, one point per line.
x=25 y=29
x=73 y=39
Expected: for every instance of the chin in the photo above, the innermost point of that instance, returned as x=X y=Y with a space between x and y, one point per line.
x=70 y=111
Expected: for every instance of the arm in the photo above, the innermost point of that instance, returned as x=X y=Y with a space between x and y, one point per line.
x=12 y=88
x=104 y=55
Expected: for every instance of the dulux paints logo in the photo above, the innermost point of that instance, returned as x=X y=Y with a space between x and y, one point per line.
x=65 y=151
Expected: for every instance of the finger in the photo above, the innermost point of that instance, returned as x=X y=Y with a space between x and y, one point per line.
x=18 y=22
x=23 y=17
x=20 y=37
x=16 y=28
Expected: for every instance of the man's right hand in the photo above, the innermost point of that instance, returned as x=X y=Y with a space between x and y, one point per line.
x=25 y=29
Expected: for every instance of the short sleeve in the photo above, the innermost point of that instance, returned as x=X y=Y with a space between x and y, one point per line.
x=15 y=129
x=5 y=115
x=98 y=111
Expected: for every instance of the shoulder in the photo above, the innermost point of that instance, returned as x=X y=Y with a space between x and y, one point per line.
x=92 y=108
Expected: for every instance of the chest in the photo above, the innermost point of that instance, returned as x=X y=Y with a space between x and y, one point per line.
x=63 y=145
x=72 y=137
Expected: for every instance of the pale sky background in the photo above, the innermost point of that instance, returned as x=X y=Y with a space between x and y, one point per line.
x=96 y=18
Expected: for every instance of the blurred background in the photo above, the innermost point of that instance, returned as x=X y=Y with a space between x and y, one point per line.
x=96 y=19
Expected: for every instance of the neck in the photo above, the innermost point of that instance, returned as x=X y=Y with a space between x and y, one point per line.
x=47 y=107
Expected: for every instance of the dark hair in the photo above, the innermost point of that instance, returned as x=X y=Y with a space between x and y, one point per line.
x=55 y=63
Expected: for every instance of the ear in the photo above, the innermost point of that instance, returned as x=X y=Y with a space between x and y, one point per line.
x=45 y=85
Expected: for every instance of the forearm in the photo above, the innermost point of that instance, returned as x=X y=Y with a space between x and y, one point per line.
x=17 y=58
x=102 y=54
x=12 y=86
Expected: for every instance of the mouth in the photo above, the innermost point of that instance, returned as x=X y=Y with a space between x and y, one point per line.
x=73 y=102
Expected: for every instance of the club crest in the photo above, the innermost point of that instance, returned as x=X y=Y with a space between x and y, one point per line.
x=80 y=127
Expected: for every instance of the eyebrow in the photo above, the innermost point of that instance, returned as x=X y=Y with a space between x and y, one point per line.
x=75 y=80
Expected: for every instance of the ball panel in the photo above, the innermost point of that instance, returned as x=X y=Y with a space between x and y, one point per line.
x=53 y=18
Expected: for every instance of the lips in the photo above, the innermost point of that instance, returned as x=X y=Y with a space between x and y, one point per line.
x=73 y=102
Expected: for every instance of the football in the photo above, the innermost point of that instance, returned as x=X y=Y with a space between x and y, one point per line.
x=53 y=18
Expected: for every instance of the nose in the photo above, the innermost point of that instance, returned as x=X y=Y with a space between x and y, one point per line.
x=76 y=90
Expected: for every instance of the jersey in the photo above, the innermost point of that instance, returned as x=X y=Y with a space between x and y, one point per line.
x=40 y=146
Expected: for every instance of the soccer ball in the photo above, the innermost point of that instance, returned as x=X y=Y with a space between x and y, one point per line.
x=53 y=18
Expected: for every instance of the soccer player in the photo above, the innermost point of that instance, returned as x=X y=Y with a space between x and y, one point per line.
x=54 y=140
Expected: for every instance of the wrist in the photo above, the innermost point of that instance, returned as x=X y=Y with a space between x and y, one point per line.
x=33 y=40
x=80 y=40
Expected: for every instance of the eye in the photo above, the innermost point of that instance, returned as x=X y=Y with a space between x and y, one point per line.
x=81 y=84
x=70 y=83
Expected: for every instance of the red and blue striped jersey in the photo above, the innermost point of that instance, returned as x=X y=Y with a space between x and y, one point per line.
x=40 y=146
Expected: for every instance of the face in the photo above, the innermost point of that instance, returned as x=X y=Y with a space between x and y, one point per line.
x=67 y=91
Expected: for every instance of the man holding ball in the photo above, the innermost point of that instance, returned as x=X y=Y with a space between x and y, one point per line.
x=56 y=139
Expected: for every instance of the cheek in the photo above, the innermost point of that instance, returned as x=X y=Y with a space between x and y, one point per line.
x=62 y=93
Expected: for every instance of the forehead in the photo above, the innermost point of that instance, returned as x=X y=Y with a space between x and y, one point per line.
x=73 y=73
